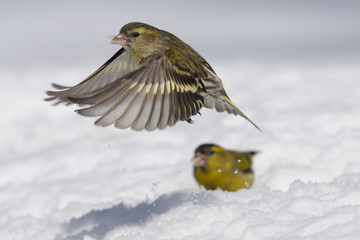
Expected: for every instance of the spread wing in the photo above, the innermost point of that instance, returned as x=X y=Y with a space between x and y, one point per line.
x=116 y=67
x=155 y=95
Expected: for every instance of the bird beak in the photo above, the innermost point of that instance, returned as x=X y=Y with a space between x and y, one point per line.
x=119 y=39
x=199 y=160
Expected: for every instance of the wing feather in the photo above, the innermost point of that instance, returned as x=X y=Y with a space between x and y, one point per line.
x=180 y=106
x=144 y=113
x=164 y=121
x=175 y=102
x=102 y=94
x=132 y=110
x=118 y=107
x=109 y=98
x=153 y=95
x=116 y=67
x=155 y=109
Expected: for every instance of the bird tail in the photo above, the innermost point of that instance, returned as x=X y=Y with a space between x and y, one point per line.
x=237 y=111
x=243 y=160
x=224 y=103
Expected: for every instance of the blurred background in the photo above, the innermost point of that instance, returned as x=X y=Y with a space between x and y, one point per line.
x=66 y=33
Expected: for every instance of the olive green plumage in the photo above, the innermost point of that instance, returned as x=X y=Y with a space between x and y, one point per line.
x=216 y=167
x=152 y=82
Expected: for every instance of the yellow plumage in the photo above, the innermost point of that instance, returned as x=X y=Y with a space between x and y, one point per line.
x=216 y=167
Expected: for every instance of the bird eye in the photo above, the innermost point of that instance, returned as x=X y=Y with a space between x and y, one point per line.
x=136 y=34
x=210 y=152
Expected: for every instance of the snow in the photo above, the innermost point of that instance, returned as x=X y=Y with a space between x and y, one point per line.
x=61 y=177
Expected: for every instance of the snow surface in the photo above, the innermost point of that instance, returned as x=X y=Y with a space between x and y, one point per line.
x=61 y=177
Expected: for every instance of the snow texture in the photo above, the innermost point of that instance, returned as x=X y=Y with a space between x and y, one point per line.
x=61 y=177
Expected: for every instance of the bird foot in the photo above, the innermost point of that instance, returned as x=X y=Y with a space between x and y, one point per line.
x=189 y=120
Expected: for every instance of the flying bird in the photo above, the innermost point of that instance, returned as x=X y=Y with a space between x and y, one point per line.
x=153 y=81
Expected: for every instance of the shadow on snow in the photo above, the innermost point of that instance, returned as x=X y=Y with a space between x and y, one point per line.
x=97 y=223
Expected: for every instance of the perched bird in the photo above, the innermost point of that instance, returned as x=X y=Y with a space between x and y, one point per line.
x=153 y=81
x=216 y=167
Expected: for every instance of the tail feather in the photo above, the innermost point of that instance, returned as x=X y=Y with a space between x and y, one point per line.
x=224 y=103
x=238 y=112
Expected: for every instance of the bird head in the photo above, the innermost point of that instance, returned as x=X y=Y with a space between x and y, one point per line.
x=210 y=156
x=140 y=40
